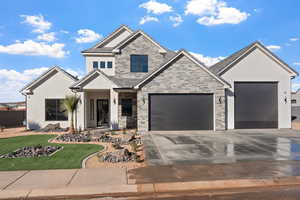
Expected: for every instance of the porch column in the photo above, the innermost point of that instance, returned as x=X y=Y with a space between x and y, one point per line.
x=81 y=111
x=114 y=102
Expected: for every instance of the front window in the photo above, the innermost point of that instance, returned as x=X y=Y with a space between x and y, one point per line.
x=109 y=64
x=55 y=110
x=92 y=109
x=139 y=63
x=126 y=107
x=294 y=101
x=102 y=64
x=95 y=65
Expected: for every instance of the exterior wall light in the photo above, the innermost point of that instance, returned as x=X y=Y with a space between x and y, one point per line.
x=221 y=100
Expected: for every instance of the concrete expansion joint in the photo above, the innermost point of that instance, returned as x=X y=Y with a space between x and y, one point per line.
x=71 y=179
x=16 y=180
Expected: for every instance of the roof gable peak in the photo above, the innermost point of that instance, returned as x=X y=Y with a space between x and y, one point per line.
x=112 y=35
x=116 y=49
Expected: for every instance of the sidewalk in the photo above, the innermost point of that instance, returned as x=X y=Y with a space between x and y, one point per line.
x=74 y=182
x=117 y=182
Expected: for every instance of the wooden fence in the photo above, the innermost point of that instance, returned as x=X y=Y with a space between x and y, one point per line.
x=12 y=118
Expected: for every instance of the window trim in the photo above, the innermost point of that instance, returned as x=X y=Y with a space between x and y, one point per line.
x=126 y=114
x=131 y=66
x=56 y=99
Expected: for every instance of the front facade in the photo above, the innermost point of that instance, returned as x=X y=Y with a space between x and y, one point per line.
x=134 y=82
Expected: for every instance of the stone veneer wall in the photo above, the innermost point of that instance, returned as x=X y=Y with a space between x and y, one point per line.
x=139 y=46
x=182 y=76
x=124 y=121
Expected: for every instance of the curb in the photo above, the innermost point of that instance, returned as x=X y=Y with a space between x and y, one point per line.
x=218 y=184
x=83 y=162
x=144 y=189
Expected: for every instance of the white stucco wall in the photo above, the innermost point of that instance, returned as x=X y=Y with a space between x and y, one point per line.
x=100 y=82
x=257 y=66
x=109 y=71
x=56 y=87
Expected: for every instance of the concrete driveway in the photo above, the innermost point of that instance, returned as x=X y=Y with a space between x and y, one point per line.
x=171 y=148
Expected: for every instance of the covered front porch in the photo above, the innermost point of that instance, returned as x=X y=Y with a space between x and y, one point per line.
x=109 y=108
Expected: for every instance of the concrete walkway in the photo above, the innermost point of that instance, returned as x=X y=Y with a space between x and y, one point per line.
x=74 y=182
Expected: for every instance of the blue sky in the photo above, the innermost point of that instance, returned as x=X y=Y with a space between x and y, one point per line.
x=35 y=35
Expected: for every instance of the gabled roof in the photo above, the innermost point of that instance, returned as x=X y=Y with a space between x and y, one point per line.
x=77 y=84
x=134 y=35
x=188 y=55
x=112 y=35
x=100 y=47
x=26 y=88
x=224 y=65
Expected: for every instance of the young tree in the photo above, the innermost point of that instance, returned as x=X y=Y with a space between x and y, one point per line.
x=71 y=103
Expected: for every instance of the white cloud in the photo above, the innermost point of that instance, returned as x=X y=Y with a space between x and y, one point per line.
x=214 y=12
x=225 y=16
x=64 y=31
x=38 y=22
x=32 y=48
x=208 y=61
x=147 y=18
x=297 y=63
x=13 y=81
x=294 y=39
x=49 y=37
x=87 y=36
x=295 y=86
x=155 y=7
x=274 y=47
x=177 y=20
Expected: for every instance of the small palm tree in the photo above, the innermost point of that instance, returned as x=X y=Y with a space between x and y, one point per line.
x=71 y=103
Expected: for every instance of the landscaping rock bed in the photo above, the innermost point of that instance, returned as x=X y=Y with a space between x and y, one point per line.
x=81 y=137
x=78 y=137
x=32 y=151
x=53 y=128
x=118 y=156
x=108 y=139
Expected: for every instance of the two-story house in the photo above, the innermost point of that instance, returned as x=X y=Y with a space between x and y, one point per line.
x=134 y=82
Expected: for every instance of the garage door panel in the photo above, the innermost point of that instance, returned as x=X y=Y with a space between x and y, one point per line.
x=256 y=105
x=181 y=111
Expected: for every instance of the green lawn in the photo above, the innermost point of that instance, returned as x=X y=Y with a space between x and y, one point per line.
x=69 y=157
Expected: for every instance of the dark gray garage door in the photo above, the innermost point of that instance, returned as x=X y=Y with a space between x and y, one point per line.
x=181 y=112
x=255 y=105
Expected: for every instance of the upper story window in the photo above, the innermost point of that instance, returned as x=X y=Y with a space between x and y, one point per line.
x=95 y=64
x=138 y=63
x=109 y=64
x=294 y=101
x=102 y=64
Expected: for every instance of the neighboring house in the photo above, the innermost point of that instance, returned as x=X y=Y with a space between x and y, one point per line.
x=13 y=106
x=133 y=81
x=296 y=106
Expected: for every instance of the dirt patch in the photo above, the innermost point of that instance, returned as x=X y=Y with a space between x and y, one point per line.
x=296 y=125
x=22 y=131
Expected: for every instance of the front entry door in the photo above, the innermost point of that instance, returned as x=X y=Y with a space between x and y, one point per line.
x=102 y=112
